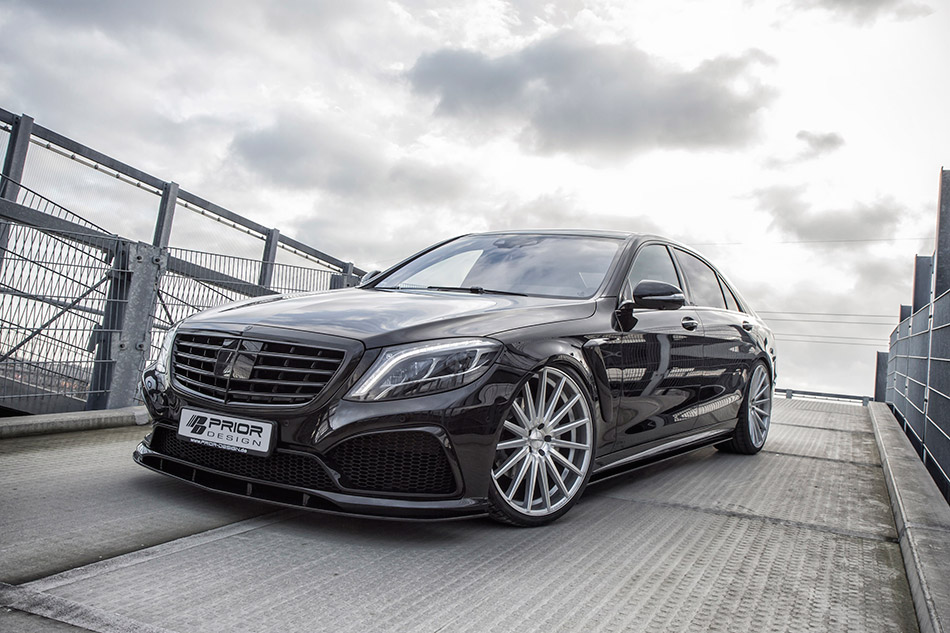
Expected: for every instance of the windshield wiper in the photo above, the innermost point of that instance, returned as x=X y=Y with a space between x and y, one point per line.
x=476 y=290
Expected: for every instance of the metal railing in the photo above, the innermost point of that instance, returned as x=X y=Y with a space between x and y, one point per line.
x=82 y=309
x=820 y=395
x=914 y=374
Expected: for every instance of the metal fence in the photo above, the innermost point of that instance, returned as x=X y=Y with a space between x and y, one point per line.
x=82 y=309
x=914 y=375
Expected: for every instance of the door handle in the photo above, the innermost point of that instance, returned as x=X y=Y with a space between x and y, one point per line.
x=747 y=326
x=689 y=323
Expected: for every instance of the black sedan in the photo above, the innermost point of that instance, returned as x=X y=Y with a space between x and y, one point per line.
x=493 y=373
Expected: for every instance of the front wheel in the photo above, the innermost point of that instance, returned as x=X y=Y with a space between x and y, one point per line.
x=545 y=451
x=755 y=415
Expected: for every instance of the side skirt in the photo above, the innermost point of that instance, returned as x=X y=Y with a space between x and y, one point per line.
x=661 y=452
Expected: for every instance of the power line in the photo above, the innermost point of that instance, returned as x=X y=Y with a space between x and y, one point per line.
x=832 y=321
x=842 y=338
x=844 y=314
x=888 y=239
x=790 y=340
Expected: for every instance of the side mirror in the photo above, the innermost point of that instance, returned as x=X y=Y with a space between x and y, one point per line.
x=368 y=276
x=658 y=295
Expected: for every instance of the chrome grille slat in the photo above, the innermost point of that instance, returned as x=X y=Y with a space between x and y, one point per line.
x=203 y=363
x=197 y=370
x=309 y=359
x=200 y=385
x=203 y=346
x=289 y=383
x=200 y=359
x=327 y=372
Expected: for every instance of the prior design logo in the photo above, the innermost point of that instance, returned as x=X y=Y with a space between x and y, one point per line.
x=236 y=434
x=197 y=424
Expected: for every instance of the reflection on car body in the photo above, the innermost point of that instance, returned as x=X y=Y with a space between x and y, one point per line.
x=493 y=373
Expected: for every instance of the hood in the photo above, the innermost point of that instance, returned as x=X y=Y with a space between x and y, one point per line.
x=390 y=317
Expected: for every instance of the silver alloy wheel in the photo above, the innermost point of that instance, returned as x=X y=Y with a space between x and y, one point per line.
x=760 y=405
x=545 y=448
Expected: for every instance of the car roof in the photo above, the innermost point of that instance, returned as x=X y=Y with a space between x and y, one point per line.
x=622 y=235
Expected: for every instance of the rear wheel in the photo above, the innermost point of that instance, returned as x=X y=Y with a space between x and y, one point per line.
x=545 y=451
x=755 y=415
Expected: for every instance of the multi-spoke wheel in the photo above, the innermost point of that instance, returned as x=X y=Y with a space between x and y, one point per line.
x=755 y=414
x=543 y=456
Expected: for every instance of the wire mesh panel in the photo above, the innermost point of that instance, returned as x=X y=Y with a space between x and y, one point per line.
x=196 y=280
x=195 y=228
x=99 y=194
x=54 y=297
x=81 y=309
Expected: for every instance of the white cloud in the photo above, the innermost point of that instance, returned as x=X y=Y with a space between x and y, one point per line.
x=567 y=94
x=373 y=129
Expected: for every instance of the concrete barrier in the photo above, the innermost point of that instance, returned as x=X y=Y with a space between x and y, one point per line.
x=922 y=517
x=23 y=425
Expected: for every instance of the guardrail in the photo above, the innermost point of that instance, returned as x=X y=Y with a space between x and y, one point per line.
x=82 y=309
x=820 y=395
x=914 y=374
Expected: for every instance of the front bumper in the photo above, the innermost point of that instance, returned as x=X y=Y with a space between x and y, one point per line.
x=428 y=457
x=306 y=498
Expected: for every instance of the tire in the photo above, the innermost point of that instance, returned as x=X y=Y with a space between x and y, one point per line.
x=755 y=414
x=545 y=451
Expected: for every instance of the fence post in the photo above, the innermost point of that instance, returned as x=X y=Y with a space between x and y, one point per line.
x=125 y=334
x=166 y=214
x=15 y=160
x=346 y=279
x=13 y=164
x=269 y=258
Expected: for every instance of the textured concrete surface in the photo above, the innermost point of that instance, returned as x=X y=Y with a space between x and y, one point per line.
x=922 y=521
x=69 y=499
x=24 y=425
x=798 y=538
x=15 y=621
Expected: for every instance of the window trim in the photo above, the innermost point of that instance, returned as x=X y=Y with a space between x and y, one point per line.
x=625 y=283
x=718 y=275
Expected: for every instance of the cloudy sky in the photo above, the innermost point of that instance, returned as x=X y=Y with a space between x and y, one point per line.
x=796 y=143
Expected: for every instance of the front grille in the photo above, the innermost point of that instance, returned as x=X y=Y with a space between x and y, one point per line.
x=289 y=469
x=230 y=369
x=397 y=461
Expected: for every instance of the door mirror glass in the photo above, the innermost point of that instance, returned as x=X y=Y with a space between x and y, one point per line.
x=658 y=295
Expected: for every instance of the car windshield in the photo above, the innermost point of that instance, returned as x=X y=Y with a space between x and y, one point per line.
x=537 y=265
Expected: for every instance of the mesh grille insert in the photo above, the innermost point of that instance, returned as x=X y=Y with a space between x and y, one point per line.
x=232 y=369
x=280 y=468
x=399 y=461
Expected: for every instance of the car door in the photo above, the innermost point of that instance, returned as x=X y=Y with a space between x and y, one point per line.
x=661 y=357
x=728 y=348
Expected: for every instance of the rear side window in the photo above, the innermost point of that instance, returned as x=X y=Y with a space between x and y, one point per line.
x=653 y=262
x=731 y=302
x=703 y=281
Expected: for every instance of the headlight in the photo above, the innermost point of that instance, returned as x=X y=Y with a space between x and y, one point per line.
x=164 y=359
x=423 y=368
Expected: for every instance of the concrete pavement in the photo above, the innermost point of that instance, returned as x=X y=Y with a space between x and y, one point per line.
x=801 y=537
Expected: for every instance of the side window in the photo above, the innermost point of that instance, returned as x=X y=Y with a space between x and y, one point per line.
x=703 y=281
x=732 y=303
x=653 y=262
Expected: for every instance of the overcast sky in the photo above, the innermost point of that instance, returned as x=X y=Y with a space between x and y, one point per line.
x=796 y=143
